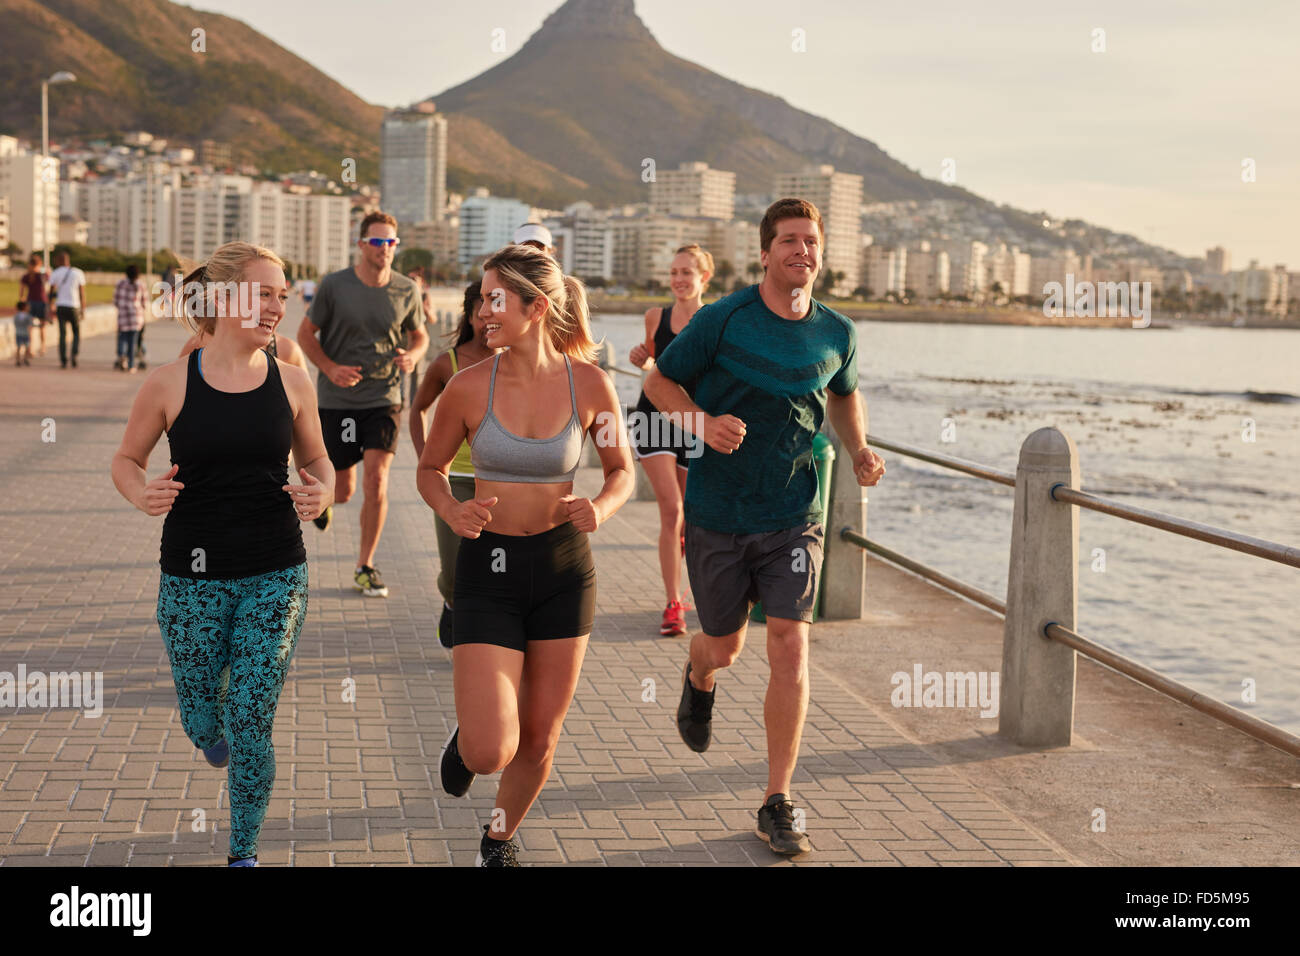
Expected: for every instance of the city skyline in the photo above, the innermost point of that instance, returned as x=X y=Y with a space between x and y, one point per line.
x=1140 y=138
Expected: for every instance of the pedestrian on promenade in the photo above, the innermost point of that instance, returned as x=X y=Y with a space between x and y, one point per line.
x=35 y=286
x=233 y=590
x=659 y=444
x=525 y=591
x=68 y=289
x=22 y=335
x=765 y=365
x=469 y=348
x=364 y=315
x=131 y=300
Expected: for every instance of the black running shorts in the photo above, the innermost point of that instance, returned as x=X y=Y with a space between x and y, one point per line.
x=348 y=432
x=512 y=589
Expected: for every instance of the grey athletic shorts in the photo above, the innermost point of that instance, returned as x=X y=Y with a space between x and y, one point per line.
x=730 y=571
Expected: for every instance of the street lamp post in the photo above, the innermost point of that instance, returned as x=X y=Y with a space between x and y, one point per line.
x=63 y=76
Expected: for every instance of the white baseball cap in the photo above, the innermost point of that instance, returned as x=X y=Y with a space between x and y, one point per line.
x=534 y=232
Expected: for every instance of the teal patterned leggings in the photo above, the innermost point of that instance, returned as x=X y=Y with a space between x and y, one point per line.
x=230 y=643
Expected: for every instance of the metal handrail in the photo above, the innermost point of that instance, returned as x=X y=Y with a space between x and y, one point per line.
x=1188 y=529
x=947 y=461
x=952 y=584
x=1260 y=729
x=624 y=371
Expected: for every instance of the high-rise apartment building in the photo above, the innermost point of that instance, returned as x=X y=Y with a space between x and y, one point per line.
x=838 y=196
x=413 y=164
x=693 y=189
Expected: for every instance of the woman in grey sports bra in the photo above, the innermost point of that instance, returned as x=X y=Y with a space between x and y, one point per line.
x=525 y=588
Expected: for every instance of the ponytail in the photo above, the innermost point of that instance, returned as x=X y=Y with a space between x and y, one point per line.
x=571 y=334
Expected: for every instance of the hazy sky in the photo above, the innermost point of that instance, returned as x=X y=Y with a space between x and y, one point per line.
x=1147 y=137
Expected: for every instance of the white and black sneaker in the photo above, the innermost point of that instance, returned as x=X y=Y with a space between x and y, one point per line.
x=456 y=777
x=496 y=852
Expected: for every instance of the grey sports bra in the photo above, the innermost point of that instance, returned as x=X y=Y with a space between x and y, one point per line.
x=499 y=455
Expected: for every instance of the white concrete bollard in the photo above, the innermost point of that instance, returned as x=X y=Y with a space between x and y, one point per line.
x=844 y=567
x=1036 y=707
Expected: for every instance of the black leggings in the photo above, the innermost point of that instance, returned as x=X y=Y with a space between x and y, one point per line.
x=512 y=589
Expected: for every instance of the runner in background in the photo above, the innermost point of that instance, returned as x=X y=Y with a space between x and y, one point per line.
x=371 y=327
x=659 y=445
x=468 y=348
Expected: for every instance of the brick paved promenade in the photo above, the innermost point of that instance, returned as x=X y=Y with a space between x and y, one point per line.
x=357 y=782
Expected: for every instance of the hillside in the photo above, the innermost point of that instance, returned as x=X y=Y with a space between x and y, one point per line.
x=136 y=70
x=613 y=96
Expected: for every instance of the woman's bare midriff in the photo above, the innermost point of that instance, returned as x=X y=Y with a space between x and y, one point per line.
x=524 y=508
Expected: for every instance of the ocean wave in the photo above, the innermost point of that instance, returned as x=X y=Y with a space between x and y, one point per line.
x=1249 y=395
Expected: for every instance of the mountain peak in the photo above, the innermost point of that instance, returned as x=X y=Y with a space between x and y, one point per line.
x=596 y=19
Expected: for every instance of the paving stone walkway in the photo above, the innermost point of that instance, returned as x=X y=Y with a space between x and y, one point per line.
x=357 y=781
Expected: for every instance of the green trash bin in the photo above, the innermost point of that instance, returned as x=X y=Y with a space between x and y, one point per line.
x=824 y=461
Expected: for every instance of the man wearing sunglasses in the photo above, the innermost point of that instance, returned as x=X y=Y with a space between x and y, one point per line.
x=370 y=323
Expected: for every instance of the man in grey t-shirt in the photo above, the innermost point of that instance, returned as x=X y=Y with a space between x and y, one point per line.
x=371 y=326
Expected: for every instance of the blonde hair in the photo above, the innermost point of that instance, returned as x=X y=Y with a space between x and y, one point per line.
x=226 y=264
x=703 y=261
x=530 y=273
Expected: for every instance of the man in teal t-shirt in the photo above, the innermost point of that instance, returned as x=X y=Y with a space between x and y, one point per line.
x=765 y=366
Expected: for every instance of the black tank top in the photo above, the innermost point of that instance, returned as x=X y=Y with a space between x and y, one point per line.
x=664 y=334
x=231 y=520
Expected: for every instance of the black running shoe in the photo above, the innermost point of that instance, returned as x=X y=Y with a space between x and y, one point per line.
x=444 y=627
x=496 y=852
x=776 y=827
x=695 y=714
x=456 y=777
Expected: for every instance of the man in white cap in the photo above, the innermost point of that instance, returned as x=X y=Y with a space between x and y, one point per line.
x=535 y=234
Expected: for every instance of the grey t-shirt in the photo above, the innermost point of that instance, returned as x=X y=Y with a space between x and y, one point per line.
x=364 y=325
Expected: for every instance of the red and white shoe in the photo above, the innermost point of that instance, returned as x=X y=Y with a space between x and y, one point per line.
x=674 y=619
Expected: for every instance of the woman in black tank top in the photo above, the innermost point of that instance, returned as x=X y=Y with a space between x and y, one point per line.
x=232 y=594
x=662 y=448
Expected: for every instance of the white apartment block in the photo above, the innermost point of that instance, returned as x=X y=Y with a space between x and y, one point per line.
x=884 y=270
x=486 y=224
x=1045 y=269
x=1009 y=268
x=838 y=197
x=1258 y=289
x=441 y=237
x=413 y=164
x=966 y=271
x=309 y=232
x=693 y=189
x=118 y=211
x=584 y=242
x=644 y=246
x=736 y=242
x=1218 y=260
x=32 y=187
x=927 y=271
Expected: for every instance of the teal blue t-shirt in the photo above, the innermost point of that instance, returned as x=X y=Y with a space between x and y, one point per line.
x=738 y=357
